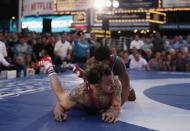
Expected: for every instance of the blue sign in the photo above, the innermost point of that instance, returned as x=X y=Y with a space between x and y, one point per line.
x=58 y=23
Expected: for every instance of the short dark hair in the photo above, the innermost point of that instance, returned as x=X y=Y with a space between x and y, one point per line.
x=95 y=73
x=80 y=33
x=102 y=53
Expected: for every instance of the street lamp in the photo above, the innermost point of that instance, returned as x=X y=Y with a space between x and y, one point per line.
x=99 y=4
x=115 y=3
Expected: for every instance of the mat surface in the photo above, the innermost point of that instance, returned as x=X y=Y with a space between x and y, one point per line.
x=163 y=103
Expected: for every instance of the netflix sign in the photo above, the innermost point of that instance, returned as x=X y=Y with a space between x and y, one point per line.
x=37 y=7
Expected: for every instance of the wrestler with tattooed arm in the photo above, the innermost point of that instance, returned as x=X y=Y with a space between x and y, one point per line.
x=100 y=93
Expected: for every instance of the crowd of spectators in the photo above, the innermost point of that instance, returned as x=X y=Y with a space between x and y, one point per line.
x=20 y=51
x=154 y=52
x=158 y=53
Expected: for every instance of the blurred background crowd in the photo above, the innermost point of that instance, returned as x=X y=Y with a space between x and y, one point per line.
x=20 y=51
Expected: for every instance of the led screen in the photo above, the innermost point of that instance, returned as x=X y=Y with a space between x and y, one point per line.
x=58 y=23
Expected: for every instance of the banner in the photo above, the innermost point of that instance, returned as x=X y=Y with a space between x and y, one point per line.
x=37 y=7
x=73 y=5
x=175 y=3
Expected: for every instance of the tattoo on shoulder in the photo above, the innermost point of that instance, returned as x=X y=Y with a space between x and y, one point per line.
x=76 y=94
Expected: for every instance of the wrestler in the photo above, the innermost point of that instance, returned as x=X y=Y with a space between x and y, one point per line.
x=103 y=55
x=100 y=92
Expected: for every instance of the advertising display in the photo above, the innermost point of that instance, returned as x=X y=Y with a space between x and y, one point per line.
x=175 y=3
x=131 y=16
x=58 y=23
x=37 y=7
x=73 y=5
x=139 y=4
x=123 y=16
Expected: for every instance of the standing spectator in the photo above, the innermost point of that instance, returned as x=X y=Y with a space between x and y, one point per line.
x=62 y=50
x=136 y=43
x=3 y=54
x=37 y=49
x=81 y=48
x=158 y=44
x=147 y=44
x=93 y=44
x=48 y=46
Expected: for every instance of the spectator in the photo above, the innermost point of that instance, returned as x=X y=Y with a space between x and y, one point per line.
x=138 y=63
x=158 y=44
x=156 y=63
x=3 y=54
x=136 y=43
x=81 y=48
x=62 y=50
x=22 y=52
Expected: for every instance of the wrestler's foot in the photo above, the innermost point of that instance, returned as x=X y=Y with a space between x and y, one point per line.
x=45 y=62
x=132 y=95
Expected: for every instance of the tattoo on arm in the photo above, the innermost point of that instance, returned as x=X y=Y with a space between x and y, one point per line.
x=116 y=102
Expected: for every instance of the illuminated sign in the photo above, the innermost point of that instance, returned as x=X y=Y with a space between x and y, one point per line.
x=79 y=17
x=175 y=3
x=125 y=16
x=139 y=4
x=58 y=23
x=175 y=26
x=37 y=7
x=73 y=5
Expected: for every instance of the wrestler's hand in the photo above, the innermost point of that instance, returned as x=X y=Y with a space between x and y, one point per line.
x=59 y=113
x=109 y=117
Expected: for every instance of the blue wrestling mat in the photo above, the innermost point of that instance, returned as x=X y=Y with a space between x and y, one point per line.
x=163 y=103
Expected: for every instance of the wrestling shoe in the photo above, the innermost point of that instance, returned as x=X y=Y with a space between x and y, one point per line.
x=45 y=62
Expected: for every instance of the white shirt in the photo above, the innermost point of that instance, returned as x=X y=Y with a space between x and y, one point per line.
x=138 y=65
x=3 y=53
x=3 y=49
x=136 y=44
x=62 y=48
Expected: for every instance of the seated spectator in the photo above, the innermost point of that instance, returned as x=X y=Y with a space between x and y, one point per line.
x=156 y=63
x=21 y=52
x=138 y=63
x=179 y=63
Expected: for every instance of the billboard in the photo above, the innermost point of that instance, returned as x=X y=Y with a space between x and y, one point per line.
x=175 y=3
x=58 y=23
x=37 y=7
x=139 y=4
